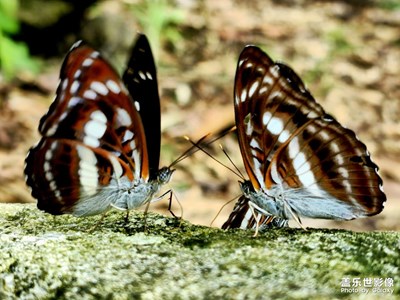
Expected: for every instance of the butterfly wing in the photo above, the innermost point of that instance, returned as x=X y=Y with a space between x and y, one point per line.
x=91 y=134
x=327 y=172
x=140 y=78
x=268 y=107
x=291 y=147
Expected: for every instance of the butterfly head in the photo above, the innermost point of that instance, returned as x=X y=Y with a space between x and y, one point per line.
x=246 y=187
x=164 y=175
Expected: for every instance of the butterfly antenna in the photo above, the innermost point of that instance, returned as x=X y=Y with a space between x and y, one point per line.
x=193 y=149
x=202 y=141
x=222 y=207
x=231 y=161
x=93 y=228
x=201 y=147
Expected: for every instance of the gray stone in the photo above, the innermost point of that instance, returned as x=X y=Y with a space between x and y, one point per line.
x=46 y=257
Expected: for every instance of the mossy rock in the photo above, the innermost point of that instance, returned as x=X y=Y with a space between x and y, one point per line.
x=46 y=257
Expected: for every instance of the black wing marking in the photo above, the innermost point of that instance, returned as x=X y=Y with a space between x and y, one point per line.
x=140 y=78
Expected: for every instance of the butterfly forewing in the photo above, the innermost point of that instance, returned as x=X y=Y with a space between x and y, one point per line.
x=93 y=106
x=91 y=135
x=270 y=103
x=140 y=78
x=300 y=160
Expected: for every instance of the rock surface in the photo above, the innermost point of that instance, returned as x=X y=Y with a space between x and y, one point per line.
x=46 y=257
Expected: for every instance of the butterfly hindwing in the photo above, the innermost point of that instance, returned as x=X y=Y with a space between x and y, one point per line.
x=332 y=169
x=243 y=217
x=68 y=177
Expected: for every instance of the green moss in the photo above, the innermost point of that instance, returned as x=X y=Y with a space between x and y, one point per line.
x=44 y=257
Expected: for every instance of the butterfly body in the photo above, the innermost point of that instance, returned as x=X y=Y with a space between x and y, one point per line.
x=244 y=218
x=120 y=194
x=301 y=162
x=280 y=203
x=93 y=154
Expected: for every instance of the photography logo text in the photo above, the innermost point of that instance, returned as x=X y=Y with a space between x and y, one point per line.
x=367 y=285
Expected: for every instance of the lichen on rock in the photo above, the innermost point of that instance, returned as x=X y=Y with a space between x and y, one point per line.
x=45 y=257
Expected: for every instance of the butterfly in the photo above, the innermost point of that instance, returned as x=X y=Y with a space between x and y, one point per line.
x=300 y=161
x=100 y=139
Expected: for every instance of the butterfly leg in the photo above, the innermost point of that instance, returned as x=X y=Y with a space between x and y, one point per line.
x=145 y=215
x=93 y=228
x=127 y=217
x=222 y=207
x=294 y=215
x=170 y=204
x=253 y=207
x=171 y=194
x=255 y=217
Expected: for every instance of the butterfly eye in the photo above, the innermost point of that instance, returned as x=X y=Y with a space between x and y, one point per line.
x=164 y=175
x=246 y=187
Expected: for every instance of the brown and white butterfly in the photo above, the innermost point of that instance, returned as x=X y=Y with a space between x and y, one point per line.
x=301 y=162
x=100 y=144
